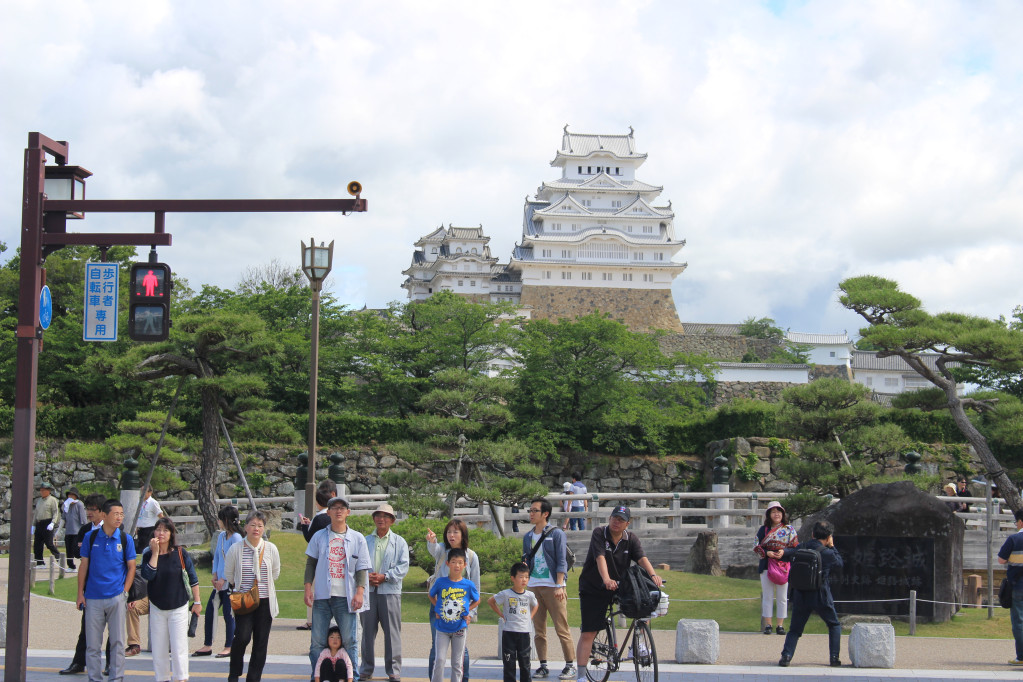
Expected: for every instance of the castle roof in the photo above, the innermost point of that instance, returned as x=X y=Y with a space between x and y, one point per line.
x=581 y=145
x=818 y=339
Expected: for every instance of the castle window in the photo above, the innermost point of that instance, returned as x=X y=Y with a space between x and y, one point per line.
x=891 y=381
x=556 y=227
x=647 y=229
x=575 y=227
x=606 y=276
x=618 y=171
x=589 y=170
x=831 y=354
x=546 y=253
x=547 y=274
x=580 y=170
x=586 y=202
x=630 y=228
x=638 y=255
x=472 y=282
x=458 y=250
x=433 y=250
x=586 y=275
x=566 y=275
x=616 y=204
x=637 y=209
x=566 y=253
x=474 y=249
x=627 y=277
x=648 y=278
x=658 y=256
x=461 y=282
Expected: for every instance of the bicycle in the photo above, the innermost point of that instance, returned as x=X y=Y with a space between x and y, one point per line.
x=606 y=656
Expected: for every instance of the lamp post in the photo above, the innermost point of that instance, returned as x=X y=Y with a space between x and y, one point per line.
x=51 y=195
x=316 y=261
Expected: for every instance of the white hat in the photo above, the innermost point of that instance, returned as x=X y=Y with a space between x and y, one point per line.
x=567 y=485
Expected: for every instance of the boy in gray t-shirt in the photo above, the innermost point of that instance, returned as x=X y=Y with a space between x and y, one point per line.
x=517 y=606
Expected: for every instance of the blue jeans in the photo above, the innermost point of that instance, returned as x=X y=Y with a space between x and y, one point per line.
x=433 y=651
x=336 y=608
x=1016 y=618
x=577 y=524
x=211 y=618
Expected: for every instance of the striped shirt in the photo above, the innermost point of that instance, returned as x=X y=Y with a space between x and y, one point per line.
x=250 y=557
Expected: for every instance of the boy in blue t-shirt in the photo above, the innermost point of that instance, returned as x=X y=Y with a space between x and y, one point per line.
x=452 y=598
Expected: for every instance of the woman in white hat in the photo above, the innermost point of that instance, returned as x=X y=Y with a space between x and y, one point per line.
x=775 y=534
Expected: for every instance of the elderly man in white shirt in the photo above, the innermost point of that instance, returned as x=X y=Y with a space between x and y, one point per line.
x=336 y=577
x=389 y=554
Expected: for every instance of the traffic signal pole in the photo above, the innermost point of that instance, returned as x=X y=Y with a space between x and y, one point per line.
x=43 y=230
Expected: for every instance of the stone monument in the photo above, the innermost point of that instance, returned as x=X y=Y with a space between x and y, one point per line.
x=894 y=538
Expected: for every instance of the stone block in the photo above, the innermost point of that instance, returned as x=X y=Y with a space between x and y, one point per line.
x=3 y=625
x=872 y=645
x=697 y=641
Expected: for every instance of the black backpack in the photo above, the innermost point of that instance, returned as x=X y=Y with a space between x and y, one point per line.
x=638 y=595
x=807 y=570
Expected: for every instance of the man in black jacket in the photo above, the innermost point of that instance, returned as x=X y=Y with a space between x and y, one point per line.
x=806 y=602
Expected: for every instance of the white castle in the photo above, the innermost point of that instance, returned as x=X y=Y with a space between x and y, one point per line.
x=591 y=240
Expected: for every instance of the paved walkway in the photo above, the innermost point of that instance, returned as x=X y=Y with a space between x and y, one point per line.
x=54 y=626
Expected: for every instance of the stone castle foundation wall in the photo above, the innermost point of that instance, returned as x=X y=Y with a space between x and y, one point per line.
x=639 y=309
x=723 y=348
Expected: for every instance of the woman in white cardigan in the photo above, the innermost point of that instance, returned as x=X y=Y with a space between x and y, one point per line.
x=239 y=572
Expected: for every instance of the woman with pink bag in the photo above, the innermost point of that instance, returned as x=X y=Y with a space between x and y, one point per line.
x=774 y=536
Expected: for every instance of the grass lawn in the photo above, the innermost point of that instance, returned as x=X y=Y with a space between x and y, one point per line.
x=686 y=590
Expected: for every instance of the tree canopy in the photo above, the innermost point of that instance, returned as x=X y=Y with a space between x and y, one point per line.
x=898 y=325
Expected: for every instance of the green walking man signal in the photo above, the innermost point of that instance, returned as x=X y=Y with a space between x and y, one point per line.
x=149 y=302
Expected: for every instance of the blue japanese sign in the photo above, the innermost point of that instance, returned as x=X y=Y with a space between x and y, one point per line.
x=45 y=307
x=101 y=281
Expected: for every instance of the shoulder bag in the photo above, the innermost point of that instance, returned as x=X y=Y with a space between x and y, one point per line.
x=247 y=602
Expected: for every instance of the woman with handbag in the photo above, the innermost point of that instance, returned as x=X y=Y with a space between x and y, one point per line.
x=230 y=533
x=456 y=534
x=776 y=534
x=251 y=567
x=172 y=581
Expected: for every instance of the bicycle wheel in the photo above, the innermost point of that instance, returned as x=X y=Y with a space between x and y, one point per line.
x=644 y=653
x=602 y=656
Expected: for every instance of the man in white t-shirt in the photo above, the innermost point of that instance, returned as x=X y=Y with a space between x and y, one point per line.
x=336 y=577
x=149 y=512
x=548 y=566
x=578 y=488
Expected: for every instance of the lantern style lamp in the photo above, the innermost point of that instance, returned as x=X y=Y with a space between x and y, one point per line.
x=66 y=183
x=316 y=262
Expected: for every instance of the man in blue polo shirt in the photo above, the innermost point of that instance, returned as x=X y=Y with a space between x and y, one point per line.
x=106 y=573
x=1011 y=553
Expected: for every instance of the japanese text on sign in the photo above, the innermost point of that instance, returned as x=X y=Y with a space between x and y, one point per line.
x=101 y=281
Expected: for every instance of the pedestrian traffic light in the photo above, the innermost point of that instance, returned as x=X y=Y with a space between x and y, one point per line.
x=149 y=304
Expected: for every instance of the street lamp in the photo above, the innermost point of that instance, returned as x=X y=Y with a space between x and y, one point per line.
x=316 y=262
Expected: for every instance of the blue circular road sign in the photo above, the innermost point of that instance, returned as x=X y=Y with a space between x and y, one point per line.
x=45 y=307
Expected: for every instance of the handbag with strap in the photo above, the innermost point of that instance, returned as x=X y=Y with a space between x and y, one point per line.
x=778 y=571
x=247 y=602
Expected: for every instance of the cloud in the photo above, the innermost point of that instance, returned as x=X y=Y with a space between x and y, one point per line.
x=798 y=142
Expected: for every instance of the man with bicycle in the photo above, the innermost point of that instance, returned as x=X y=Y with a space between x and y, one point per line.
x=612 y=549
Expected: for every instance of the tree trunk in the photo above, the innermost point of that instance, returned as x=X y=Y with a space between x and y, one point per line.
x=995 y=471
x=703 y=557
x=206 y=491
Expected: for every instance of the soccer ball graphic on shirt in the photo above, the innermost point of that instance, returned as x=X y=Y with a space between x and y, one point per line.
x=451 y=609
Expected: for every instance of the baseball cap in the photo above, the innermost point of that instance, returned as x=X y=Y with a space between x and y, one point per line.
x=622 y=512
x=335 y=500
x=567 y=485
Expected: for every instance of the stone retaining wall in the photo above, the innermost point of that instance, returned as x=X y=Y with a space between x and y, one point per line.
x=639 y=309
x=363 y=468
x=723 y=348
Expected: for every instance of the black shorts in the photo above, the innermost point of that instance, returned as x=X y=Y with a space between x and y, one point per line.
x=593 y=610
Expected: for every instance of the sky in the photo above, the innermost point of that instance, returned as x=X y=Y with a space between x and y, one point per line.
x=800 y=143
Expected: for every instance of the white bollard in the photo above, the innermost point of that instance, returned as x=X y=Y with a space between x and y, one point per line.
x=697 y=641
x=872 y=645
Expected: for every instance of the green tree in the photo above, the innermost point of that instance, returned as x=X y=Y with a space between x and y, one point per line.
x=580 y=375
x=221 y=351
x=899 y=326
x=1006 y=381
x=139 y=437
x=461 y=446
x=763 y=328
x=391 y=356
